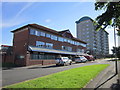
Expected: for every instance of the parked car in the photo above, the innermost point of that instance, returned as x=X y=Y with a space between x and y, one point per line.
x=89 y=57
x=80 y=59
x=63 y=61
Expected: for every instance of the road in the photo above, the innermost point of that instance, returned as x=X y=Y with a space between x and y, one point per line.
x=16 y=75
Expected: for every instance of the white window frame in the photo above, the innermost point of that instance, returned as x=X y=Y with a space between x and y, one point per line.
x=42 y=34
x=48 y=35
x=49 y=45
x=40 y=44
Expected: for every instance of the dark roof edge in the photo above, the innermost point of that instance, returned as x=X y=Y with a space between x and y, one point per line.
x=42 y=27
x=81 y=19
x=19 y=28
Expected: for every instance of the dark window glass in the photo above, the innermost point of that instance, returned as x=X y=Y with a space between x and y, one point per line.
x=42 y=57
x=49 y=45
x=60 y=39
x=38 y=33
x=32 y=32
x=42 y=34
x=48 y=35
x=53 y=37
x=40 y=44
x=66 y=48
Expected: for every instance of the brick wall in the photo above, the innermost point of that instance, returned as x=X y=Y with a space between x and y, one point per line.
x=22 y=39
x=20 y=43
x=7 y=58
x=42 y=62
x=56 y=44
x=34 y=62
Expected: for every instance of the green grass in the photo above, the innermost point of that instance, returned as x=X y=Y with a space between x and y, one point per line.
x=73 y=78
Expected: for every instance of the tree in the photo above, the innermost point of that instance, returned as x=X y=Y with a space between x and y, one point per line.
x=111 y=16
x=117 y=51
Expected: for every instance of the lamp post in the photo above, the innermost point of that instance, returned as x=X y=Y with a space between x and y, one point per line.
x=116 y=66
x=118 y=63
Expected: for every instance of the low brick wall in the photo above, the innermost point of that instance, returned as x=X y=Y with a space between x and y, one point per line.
x=42 y=62
x=46 y=62
x=20 y=62
x=34 y=62
x=7 y=59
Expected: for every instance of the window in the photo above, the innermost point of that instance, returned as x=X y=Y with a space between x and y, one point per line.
x=48 y=35
x=38 y=33
x=87 y=32
x=60 y=39
x=42 y=34
x=87 y=21
x=94 y=48
x=69 y=48
x=49 y=57
x=87 y=25
x=78 y=43
x=88 y=44
x=87 y=28
x=87 y=36
x=88 y=40
x=68 y=41
x=82 y=50
x=65 y=40
x=75 y=43
x=40 y=44
x=84 y=45
x=49 y=45
x=66 y=48
x=53 y=37
x=32 y=32
x=78 y=50
x=34 y=56
x=38 y=56
x=63 y=48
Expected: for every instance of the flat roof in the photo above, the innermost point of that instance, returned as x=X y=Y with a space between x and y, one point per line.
x=38 y=49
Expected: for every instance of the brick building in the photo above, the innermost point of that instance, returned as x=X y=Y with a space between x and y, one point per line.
x=36 y=44
x=7 y=54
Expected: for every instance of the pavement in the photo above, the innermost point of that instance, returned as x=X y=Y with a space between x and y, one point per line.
x=104 y=76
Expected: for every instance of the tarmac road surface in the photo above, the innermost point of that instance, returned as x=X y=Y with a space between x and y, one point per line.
x=16 y=75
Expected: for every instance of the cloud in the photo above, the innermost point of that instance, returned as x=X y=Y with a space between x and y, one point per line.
x=23 y=9
x=48 y=20
x=11 y=23
x=17 y=19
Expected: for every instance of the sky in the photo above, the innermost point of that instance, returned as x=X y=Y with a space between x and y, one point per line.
x=55 y=15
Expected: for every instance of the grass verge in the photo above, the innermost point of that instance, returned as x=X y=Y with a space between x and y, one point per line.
x=73 y=78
